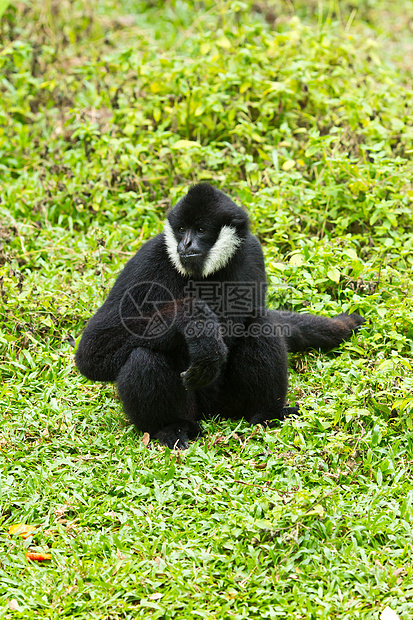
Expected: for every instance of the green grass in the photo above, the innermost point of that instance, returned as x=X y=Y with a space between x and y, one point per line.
x=303 y=113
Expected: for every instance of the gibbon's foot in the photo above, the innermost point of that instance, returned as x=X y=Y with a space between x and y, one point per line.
x=200 y=375
x=290 y=411
x=271 y=422
x=175 y=437
x=287 y=412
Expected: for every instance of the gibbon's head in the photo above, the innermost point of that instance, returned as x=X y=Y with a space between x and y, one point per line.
x=203 y=231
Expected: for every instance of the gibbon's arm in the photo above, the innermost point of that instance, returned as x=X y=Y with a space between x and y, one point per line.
x=106 y=345
x=138 y=302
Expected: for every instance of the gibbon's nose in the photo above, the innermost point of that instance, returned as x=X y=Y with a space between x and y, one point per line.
x=187 y=241
x=186 y=245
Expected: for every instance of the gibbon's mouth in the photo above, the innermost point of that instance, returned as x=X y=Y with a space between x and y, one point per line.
x=193 y=255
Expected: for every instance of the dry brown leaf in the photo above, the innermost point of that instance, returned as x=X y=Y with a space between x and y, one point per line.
x=14 y=605
x=110 y=513
x=399 y=571
x=218 y=439
x=126 y=21
x=22 y=529
x=38 y=557
x=60 y=510
x=389 y=614
x=260 y=465
x=146 y=439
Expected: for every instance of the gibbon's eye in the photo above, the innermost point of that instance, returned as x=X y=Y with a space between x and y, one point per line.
x=181 y=230
x=201 y=230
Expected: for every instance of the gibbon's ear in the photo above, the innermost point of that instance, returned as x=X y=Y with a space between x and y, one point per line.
x=239 y=220
x=241 y=224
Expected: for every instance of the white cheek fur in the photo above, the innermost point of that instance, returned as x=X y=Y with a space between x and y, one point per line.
x=218 y=256
x=172 y=249
x=222 y=251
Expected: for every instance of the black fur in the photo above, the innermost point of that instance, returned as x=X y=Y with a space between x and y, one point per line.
x=195 y=359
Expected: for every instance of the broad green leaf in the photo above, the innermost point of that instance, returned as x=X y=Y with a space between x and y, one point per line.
x=287 y=165
x=334 y=274
x=296 y=260
x=3 y=6
x=185 y=144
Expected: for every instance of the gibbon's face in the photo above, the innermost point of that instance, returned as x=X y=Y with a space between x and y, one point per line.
x=200 y=250
x=203 y=231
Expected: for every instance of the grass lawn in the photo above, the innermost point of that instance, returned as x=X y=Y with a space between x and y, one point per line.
x=301 y=111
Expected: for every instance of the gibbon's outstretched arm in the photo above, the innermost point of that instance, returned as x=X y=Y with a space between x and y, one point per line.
x=308 y=331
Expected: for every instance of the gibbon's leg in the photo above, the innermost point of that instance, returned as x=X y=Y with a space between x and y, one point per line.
x=155 y=399
x=103 y=351
x=305 y=331
x=254 y=382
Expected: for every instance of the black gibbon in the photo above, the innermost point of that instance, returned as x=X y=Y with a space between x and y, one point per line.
x=185 y=332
